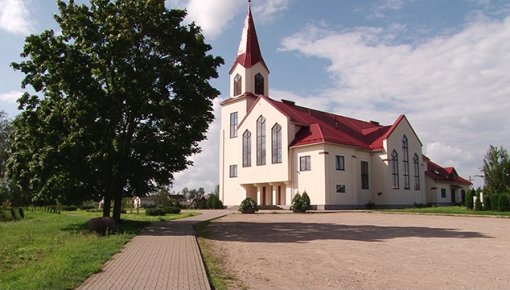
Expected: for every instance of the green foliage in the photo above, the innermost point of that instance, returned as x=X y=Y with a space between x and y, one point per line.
x=122 y=100
x=89 y=204
x=478 y=203
x=162 y=198
x=214 y=202
x=248 y=205
x=172 y=210
x=300 y=203
x=496 y=170
x=156 y=211
x=69 y=207
x=503 y=202
x=469 y=198
x=49 y=251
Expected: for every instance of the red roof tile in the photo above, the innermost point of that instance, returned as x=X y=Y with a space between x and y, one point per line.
x=249 y=50
x=321 y=127
x=444 y=174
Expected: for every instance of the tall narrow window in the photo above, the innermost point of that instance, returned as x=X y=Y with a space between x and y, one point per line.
x=237 y=84
x=233 y=125
x=233 y=171
x=394 y=168
x=339 y=162
x=405 y=150
x=259 y=84
x=246 y=149
x=305 y=163
x=364 y=175
x=416 y=166
x=276 y=143
x=261 y=141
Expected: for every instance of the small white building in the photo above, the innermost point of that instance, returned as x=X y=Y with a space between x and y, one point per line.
x=270 y=150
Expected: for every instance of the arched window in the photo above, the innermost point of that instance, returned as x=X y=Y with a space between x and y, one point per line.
x=276 y=143
x=259 y=84
x=261 y=141
x=246 y=149
x=416 y=166
x=237 y=84
x=394 y=168
x=405 y=150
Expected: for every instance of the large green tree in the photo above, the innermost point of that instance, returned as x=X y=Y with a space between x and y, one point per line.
x=122 y=100
x=496 y=170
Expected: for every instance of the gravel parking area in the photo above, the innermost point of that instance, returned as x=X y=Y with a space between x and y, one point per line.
x=364 y=250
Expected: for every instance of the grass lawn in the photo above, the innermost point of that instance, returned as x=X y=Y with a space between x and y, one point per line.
x=449 y=210
x=56 y=251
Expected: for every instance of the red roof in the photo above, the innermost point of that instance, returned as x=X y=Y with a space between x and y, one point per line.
x=444 y=174
x=249 y=51
x=321 y=127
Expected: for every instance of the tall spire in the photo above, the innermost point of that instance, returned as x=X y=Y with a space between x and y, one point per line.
x=249 y=51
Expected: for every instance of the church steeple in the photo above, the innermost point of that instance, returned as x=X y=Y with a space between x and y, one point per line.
x=249 y=49
x=249 y=72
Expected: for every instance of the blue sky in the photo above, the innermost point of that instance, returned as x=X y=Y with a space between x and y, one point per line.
x=443 y=63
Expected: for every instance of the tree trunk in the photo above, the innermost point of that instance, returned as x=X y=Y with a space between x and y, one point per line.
x=107 y=204
x=117 y=206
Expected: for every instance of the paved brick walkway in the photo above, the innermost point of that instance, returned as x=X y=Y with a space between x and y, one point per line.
x=164 y=256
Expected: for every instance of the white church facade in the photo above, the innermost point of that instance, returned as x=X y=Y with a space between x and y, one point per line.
x=272 y=149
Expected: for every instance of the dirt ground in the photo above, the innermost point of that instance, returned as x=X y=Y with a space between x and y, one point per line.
x=363 y=250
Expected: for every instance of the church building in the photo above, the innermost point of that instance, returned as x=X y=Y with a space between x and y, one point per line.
x=272 y=149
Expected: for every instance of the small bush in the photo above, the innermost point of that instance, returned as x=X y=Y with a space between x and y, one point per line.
x=172 y=210
x=248 y=205
x=370 y=205
x=478 y=203
x=89 y=204
x=155 y=211
x=4 y=216
x=214 y=202
x=300 y=203
x=469 y=198
x=69 y=207
x=504 y=202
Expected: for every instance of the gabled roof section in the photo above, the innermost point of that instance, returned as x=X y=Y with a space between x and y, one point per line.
x=395 y=125
x=249 y=50
x=444 y=174
x=322 y=127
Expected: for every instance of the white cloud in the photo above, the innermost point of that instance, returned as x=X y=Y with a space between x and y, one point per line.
x=454 y=88
x=267 y=10
x=384 y=6
x=212 y=16
x=10 y=97
x=15 y=16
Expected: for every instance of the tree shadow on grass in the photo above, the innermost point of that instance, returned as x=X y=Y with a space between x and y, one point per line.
x=125 y=226
x=296 y=232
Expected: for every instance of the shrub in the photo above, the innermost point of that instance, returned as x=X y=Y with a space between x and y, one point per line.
x=4 y=217
x=89 y=204
x=469 y=198
x=300 y=203
x=370 y=205
x=69 y=207
x=487 y=202
x=248 y=205
x=503 y=202
x=172 y=210
x=214 y=202
x=478 y=203
x=155 y=211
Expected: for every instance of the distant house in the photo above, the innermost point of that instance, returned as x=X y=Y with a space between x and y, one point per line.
x=270 y=150
x=146 y=201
